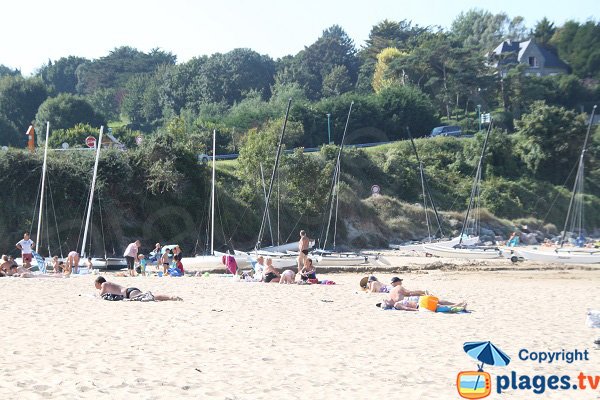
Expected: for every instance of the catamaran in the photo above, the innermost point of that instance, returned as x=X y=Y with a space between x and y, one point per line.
x=470 y=225
x=573 y=223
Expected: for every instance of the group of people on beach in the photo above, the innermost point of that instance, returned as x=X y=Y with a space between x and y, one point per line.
x=400 y=298
x=264 y=271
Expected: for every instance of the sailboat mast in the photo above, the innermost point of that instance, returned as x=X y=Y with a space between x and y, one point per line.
x=578 y=177
x=212 y=196
x=39 y=226
x=277 y=156
x=476 y=182
x=336 y=181
x=93 y=186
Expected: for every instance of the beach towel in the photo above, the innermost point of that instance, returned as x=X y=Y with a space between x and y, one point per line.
x=40 y=262
x=593 y=319
x=174 y=272
x=230 y=263
x=148 y=296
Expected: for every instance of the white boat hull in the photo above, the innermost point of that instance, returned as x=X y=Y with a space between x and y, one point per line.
x=338 y=260
x=469 y=254
x=560 y=257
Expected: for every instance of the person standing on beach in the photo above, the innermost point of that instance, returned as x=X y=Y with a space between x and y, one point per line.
x=303 y=245
x=130 y=255
x=72 y=262
x=26 y=246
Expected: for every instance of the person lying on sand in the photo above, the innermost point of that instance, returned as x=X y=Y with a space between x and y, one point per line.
x=22 y=272
x=408 y=300
x=111 y=288
x=374 y=286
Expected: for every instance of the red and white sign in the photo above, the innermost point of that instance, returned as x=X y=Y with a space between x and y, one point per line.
x=90 y=142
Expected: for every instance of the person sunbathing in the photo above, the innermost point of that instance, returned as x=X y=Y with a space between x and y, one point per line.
x=22 y=272
x=374 y=286
x=271 y=273
x=110 y=288
x=408 y=300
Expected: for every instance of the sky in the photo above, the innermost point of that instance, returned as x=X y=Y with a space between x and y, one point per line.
x=35 y=31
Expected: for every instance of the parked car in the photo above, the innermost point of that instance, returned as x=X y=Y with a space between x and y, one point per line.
x=446 y=131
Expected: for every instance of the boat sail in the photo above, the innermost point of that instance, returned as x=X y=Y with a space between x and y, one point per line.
x=573 y=222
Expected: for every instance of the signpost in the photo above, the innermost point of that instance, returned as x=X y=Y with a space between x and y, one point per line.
x=375 y=190
x=90 y=142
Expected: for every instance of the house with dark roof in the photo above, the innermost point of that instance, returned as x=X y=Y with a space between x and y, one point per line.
x=540 y=61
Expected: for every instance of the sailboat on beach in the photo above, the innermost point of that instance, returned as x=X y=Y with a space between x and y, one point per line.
x=470 y=225
x=573 y=223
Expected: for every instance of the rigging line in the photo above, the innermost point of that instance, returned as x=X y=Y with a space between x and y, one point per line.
x=55 y=219
x=37 y=199
x=328 y=203
x=101 y=225
x=424 y=200
x=277 y=157
x=292 y=231
x=337 y=206
x=262 y=177
x=47 y=228
x=557 y=194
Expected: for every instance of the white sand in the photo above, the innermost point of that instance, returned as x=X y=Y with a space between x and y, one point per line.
x=231 y=340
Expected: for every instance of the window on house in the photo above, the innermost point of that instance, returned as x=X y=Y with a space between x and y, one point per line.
x=533 y=62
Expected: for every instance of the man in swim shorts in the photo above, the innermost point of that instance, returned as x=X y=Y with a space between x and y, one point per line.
x=26 y=246
x=106 y=287
x=303 y=245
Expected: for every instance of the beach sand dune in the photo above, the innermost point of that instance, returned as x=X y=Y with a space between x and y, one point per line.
x=232 y=340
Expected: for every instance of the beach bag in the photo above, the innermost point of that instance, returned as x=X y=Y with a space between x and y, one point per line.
x=428 y=303
x=174 y=272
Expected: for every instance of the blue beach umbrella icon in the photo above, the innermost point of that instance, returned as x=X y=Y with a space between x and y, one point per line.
x=486 y=353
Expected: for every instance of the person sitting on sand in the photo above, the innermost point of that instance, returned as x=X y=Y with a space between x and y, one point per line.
x=308 y=271
x=271 y=273
x=111 y=288
x=287 y=277
x=259 y=269
x=5 y=264
x=374 y=286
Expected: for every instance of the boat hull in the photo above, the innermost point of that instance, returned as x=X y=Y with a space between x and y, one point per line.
x=469 y=254
x=560 y=257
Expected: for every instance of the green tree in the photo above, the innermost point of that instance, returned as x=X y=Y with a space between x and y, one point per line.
x=549 y=141
x=115 y=69
x=61 y=76
x=336 y=82
x=382 y=77
x=74 y=136
x=20 y=99
x=310 y=66
x=9 y=134
x=6 y=71
x=65 y=111
x=579 y=46
x=483 y=30
x=543 y=31
x=106 y=102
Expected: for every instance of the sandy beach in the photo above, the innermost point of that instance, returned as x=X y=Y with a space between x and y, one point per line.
x=234 y=340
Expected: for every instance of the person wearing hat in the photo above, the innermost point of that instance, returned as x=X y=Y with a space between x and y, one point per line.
x=399 y=292
x=408 y=300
